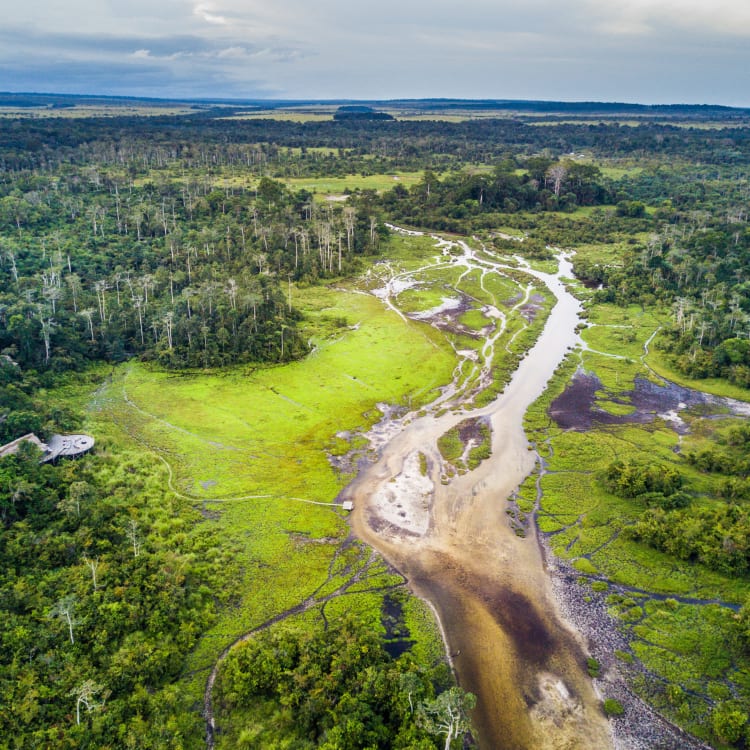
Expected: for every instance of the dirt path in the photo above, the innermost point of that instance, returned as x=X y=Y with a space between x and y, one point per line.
x=453 y=542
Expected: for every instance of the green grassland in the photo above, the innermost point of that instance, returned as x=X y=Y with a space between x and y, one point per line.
x=452 y=116
x=616 y=172
x=251 y=431
x=282 y=116
x=320 y=187
x=97 y=110
x=341 y=185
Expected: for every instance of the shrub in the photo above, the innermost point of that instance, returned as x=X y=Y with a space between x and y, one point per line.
x=613 y=707
x=593 y=667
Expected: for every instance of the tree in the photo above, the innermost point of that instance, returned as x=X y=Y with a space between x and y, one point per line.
x=411 y=684
x=88 y=313
x=84 y=695
x=557 y=173
x=78 y=493
x=447 y=714
x=64 y=609
x=93 y=566
x=132 y=532
x=537 y=167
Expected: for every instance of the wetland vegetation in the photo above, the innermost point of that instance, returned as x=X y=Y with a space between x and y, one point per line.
x=246 y=312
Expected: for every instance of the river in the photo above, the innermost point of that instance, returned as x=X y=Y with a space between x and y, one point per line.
x=452 y=539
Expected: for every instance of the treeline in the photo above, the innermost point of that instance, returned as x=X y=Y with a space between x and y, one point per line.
x=107 y=582
x=211 y=136
x=104 y=269
x=729 y=457
x=717 y=536
x=470 y=200
x=688 y=187
x=697 y=264
x=336 y=688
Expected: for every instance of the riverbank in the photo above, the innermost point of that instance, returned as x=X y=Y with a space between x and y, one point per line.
x=639 y=727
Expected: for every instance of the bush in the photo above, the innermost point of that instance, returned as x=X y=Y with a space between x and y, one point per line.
x=613 y=707
x=728 y=721
x=624 y=656
x=593 y=667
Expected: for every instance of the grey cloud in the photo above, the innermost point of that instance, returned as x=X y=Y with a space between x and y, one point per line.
x=127 y=80
x=55 y=43
x=578 y=49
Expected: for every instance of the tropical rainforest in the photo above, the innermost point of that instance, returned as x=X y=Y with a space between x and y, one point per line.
x=181 y=286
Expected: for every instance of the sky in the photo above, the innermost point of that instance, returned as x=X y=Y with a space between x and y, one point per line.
x=649 y=51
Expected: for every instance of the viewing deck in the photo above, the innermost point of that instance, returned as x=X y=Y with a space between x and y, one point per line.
x=59 y=446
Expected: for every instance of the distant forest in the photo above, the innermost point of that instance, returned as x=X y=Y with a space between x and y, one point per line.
x=175 y=237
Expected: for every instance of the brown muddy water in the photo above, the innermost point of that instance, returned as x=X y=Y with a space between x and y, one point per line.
x=451 y=538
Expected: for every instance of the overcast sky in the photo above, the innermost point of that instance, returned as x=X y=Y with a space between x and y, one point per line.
x=692 y=51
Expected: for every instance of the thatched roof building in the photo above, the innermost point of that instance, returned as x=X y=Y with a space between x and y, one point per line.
x=10 y=448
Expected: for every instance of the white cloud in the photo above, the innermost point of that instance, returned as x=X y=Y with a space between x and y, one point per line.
x=205 y=11
x=731 y=17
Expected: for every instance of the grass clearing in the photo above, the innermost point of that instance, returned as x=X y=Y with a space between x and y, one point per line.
x=342 y=185
x=281 y=116
x=249 y=431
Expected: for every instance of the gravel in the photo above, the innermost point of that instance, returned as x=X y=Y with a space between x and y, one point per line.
x=640 y=727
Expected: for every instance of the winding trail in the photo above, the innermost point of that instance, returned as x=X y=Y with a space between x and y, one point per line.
x=459 y=552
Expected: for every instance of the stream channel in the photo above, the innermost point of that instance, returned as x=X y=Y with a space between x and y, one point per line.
x=452 y=539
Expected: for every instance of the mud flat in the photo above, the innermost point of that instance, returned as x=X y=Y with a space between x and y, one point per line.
x=508 y=640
